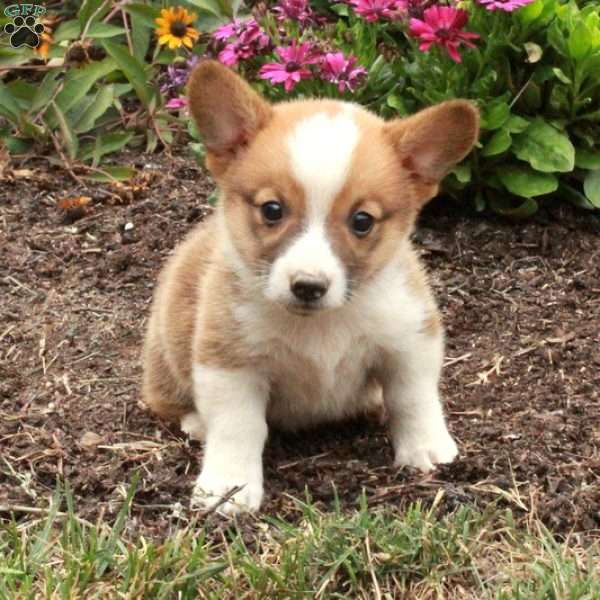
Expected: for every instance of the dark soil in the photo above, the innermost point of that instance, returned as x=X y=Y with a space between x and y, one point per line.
x=521 y=303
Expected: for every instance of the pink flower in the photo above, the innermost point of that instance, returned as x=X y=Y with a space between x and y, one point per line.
x=505 y=5
x=296 y=10
x=229 y=55
x=292 y=69
x=226 y=31
x=245 y=40
x=338 y=69
x=180 y=102
x=442 y=25
x=373 y=10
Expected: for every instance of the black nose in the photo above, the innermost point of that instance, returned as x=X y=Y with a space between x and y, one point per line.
x=309 y=289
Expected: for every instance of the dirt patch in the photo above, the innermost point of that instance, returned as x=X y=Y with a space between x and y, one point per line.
x=521 y=303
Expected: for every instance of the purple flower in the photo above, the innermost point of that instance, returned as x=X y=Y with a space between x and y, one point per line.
x=179 y=102
x=243 y=40
x=292 y=69
x=178 y=73
x=505 y=5
x=373 y=10
x=338 y=69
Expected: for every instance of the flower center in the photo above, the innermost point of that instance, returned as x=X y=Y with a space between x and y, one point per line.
x=292 y=66
x=178 y=29
x=443 y=33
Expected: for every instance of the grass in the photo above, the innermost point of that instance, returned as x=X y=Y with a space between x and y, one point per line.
x=363 y=554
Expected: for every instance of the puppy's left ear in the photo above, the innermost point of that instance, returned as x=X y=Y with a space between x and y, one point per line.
x=431 y=142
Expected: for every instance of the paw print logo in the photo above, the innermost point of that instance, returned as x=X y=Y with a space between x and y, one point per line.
x=24 y=32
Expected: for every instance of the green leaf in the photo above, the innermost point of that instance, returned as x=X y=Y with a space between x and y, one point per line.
x=462 y=172
x=46 y=89
x=11 y=57
x=79 y=81
x=500 y=142
x=211 y=6
x=199 y=150
x=105 y=144
x=340 y=9
x=133 y=70
x=557 y=38
x=545 y=148
x=397 y=103
x=527 y=183
x=495 y=115
x=574 y=197
x=526 y=209
x=213 y=197
x=586 y=159
x=111 y=174
x=102 y=101
x=580 y=42
x=528 y=14
x=560 y=75
x=68 y=136
x=516 y=124
x=9 y=107
x=16 y=145
x=146 y=14
x=92 y=10
x=67 y=30
x=140 y=37
x=532 y=97
x=226 y=7
x=22 y=91
x=79 y=108
x=591 y=187
x=104 y=30
x=235 y=7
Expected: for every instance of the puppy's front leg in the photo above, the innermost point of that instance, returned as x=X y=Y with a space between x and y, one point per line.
x=418 y=429
x=232 y=404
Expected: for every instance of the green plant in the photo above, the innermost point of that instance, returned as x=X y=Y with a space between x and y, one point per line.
x=108 y=82
x=94 y=87
x=537 y=81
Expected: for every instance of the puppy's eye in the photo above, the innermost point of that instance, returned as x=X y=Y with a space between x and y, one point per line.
x=272 y=212
x=361 y=223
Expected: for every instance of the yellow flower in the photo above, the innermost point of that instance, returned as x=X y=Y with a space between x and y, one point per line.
x=174 y=27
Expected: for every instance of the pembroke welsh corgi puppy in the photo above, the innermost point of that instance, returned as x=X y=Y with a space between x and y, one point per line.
x=301 y=300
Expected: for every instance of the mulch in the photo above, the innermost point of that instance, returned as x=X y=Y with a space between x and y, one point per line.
x=521 y=304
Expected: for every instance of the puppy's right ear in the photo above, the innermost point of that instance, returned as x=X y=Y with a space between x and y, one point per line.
x=227 y=111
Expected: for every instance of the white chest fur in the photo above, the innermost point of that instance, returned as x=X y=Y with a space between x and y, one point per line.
x=318 y=366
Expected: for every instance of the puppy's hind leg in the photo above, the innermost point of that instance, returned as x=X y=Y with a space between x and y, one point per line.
x=162 y=391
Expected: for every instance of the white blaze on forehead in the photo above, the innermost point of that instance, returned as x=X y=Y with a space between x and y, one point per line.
x=321 y=148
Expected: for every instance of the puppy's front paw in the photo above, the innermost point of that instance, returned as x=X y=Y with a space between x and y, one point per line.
x=210 y=490
x=191 y=423
x=426 y=450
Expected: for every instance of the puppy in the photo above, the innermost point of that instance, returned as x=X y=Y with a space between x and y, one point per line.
x=301 y=300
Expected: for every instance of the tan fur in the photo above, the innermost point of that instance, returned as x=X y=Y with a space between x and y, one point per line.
x=201 y=311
